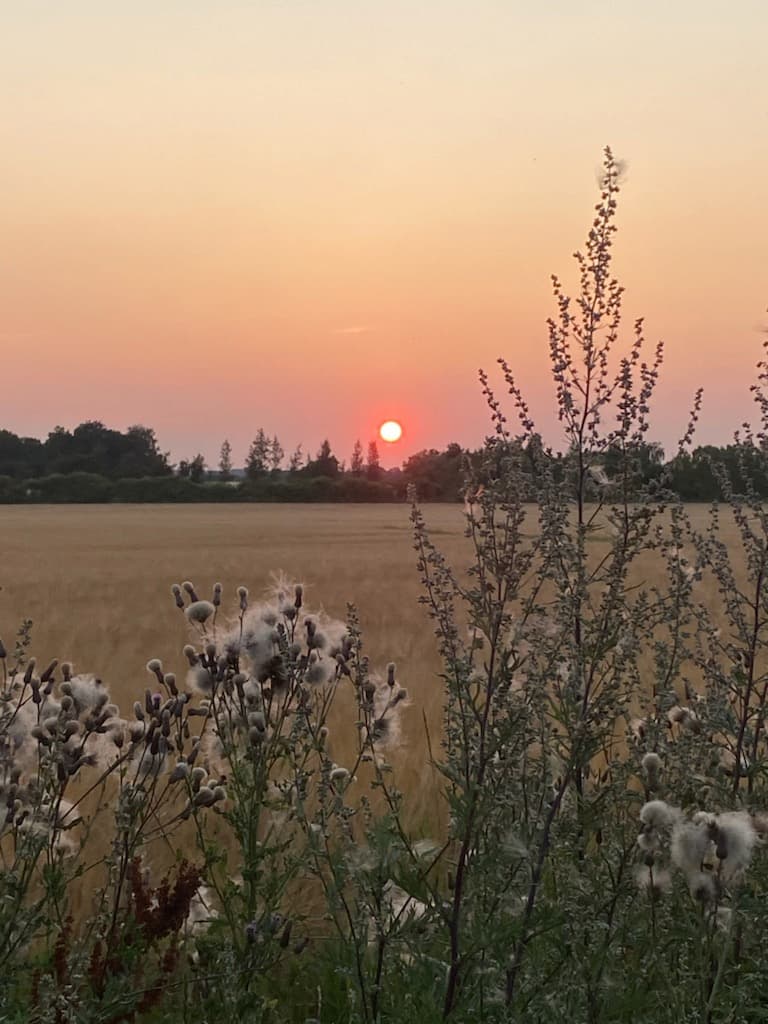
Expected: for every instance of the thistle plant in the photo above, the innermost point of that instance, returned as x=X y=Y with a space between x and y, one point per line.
x=232 y=765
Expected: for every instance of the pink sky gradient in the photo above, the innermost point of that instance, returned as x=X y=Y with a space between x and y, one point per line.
x=314 y=216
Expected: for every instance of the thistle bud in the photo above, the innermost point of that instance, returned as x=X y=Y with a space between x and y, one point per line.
x=299 y=596
x=181 y=771
x=204 y=797
x=217 y=589
x=242 y=593
x=29 y=671
x=155 y=666
x=651 y=763
x=391 y=674
x=190 y=590
x=46 y=675
x=176 y=591
x=285 y=938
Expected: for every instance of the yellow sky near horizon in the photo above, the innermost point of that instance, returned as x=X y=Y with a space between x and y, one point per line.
x=311 y=216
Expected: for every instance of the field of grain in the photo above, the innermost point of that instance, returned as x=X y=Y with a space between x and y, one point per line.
x=95 y=581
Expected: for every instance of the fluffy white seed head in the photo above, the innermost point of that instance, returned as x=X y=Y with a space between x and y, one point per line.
x=651 y=763
x=199 y=611
x=657 y=814
x=736 y=838
x=691 y=847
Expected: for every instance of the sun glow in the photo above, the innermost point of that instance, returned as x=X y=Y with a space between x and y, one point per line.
x=390 y=431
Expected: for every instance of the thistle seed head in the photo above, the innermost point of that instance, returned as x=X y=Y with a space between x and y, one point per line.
x=651 y=763
x=657 y=814
x=199 y=611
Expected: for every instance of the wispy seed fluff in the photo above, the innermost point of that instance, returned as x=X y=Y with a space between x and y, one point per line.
x=651 y=764
x=691 y=846
x=658 y=814
x=654 y=880
x=702 y=886
x=724 y=843
x=735 y=840
x=86 y=692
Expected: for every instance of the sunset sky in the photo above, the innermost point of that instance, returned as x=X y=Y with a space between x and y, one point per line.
x=314 y=215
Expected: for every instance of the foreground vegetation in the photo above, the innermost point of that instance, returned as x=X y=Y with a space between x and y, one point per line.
x=241 y=837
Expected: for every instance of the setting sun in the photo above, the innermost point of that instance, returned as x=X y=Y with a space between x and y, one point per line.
x=390 y=431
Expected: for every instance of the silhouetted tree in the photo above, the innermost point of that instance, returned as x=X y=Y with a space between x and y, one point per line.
x=257 y=461
x=94 y=448
x=143 y=455
x=325 y=464
x=437 y=476
x=20 y=457
x=197 y=469
x=296 y=459
x=356 y=464
x=225 y=461
x=373 y=466
x=276 y=454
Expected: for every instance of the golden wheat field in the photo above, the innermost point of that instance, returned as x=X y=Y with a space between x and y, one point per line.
x=95 y=580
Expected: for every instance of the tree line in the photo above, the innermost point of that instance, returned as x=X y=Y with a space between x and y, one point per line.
x=94 y=463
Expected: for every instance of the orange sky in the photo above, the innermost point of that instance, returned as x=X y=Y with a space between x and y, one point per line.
x=312 y=215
